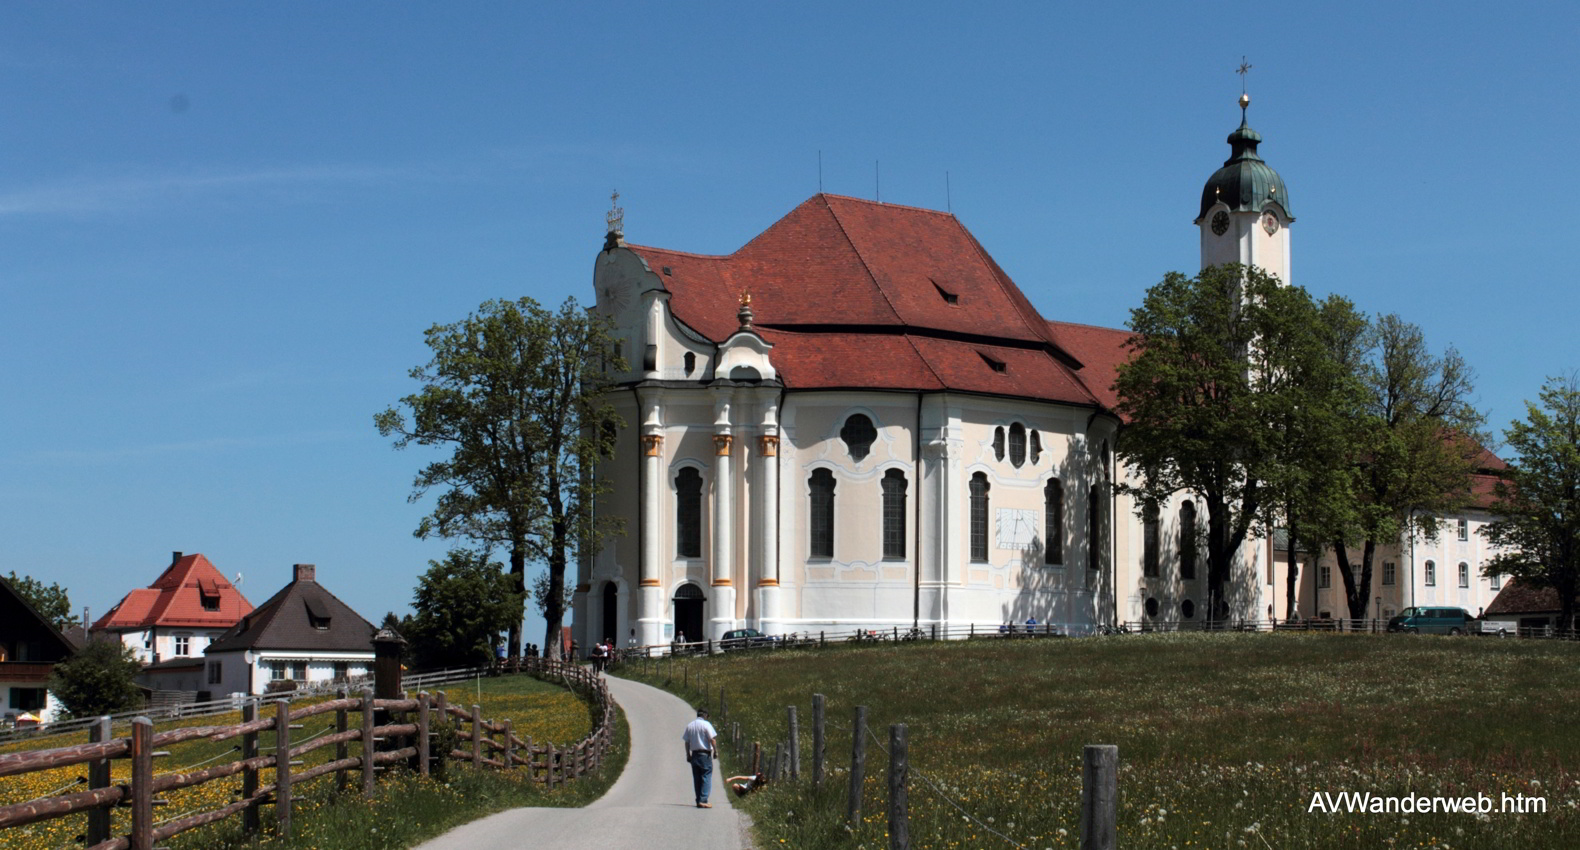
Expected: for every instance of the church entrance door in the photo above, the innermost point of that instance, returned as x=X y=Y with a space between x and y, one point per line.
x=611 y=613
x=688 y=612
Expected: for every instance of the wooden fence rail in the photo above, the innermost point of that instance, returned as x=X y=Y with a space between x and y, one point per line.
x=387 y=735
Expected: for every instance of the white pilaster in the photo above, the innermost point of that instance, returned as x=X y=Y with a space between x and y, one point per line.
x=723 y=602
x=655 y=488
x=765 y=523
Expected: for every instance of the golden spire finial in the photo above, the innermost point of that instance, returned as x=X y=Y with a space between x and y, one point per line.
x=745 y=314
x=1243 y=70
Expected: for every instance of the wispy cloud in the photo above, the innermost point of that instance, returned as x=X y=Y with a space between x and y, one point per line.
x=129 y=192
x=211 y=445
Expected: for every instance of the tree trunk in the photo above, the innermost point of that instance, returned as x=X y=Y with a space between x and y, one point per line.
x=554 y=605
x=1356 y=593
x=1292 y=582
x=1219 y=563
x=518 y=582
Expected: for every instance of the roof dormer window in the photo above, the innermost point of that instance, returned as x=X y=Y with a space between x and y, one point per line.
x=949 y=297
x=995 y=364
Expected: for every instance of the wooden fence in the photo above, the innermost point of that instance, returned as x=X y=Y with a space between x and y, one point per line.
x=403 y=737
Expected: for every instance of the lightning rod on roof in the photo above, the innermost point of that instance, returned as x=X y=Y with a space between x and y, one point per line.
x=820 y=172
x=949 y=204
x=877 y=183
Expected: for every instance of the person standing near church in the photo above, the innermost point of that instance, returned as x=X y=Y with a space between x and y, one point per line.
x=702 y=746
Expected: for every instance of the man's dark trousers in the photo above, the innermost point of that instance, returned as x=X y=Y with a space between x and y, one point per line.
x=701 y=773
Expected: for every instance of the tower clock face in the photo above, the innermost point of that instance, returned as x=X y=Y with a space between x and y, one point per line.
x=1220 y=222
x=1269 y=223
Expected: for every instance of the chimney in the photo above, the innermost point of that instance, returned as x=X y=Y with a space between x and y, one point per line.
x=305 y=572
x=174 y=557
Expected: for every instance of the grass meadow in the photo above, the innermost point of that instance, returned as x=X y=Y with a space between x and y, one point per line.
x=406 y=810
x=1223 y=738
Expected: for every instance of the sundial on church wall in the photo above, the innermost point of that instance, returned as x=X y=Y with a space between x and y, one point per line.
x=614 y=298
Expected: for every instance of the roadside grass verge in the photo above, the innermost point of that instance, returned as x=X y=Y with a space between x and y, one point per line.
x=405 y=810
x=1223 y=738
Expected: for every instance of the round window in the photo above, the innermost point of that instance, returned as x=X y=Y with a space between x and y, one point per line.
x=1187 y=609
x=1152 y=607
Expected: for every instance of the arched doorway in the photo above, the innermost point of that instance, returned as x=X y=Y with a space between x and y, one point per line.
x=610 y=622
x=688 y=612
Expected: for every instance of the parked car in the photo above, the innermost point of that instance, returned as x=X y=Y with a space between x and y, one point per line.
x=743 y=638
x=1432 y=620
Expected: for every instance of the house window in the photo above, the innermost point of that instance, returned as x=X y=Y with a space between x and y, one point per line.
x=1053 y=522
x=1188 y=542
x=822 y=483
x=998 y=443
x=210 y=603
x=1464 y=529
x=1017 y=444
x=894 y=514
x=29 y=699
x=858 y=435
x=1036 y=447
x=342 y=671
x=183 y=645
x=1431 y=574
x=688 y=513
x=979 y=517
x=1094 y=528
x=1464 y=574
x=1324 y=575
x=1496 y=582
x=299 y=671
x=277 y=671
x=215 y=672
x=1149 y=540
x=1390 y=573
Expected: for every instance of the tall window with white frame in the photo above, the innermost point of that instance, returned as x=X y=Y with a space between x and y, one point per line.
x=1188 y=540
x=1094 y=527
x=1149 y=539
x=1495 y=581
x=1324 y=575
x=688 y=513
x=1464 y=574
x=1464 y=529
x=979 y=517
x=183 y=646
x=1390 y=573
x=1053 y=522
x=1429 y=574
x=1017 y=444
x=894 y=487
x=822 y=503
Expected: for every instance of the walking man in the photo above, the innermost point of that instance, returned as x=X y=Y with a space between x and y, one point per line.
x=702 y=746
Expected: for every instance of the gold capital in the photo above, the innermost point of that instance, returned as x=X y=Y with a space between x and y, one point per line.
x=651 y=444
x=769 y=445
x=721 y=444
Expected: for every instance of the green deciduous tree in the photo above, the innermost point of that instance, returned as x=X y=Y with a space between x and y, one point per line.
x=101 y=678
x=1413 y=450
x=514 y=392
x=1537 y=509
x=49 y=600
x=462 y=604
x=1210 y=395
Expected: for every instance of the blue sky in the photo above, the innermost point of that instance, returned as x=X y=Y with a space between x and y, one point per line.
x=224 y=227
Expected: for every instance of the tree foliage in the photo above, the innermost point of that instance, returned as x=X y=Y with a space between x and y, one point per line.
x=1414 y=447
x=1221 y=371
x=462 y=605
x=101 y=678
x=1537 y=506
x=49 y=600
x=514 y=392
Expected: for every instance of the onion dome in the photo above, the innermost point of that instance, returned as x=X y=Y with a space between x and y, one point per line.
x=1245 y=183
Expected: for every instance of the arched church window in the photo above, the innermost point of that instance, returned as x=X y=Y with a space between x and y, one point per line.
x=858 y=435
x=1149 y=539
x=688 y=513
x=1094 y=527
x=979 y=517
x=1017 y=444
x=1188 y=540
x=998 y=443
x=822 y=525
x=1036 y=447
x=691 y=362
x=1053 y=522
x=894 y=487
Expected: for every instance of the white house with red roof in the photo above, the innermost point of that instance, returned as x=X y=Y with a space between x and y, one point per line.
x=169 y=623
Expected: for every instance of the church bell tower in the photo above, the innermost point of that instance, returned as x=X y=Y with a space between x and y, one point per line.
x=1245 y=214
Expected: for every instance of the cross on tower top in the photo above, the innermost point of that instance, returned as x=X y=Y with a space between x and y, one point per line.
x=1244 y=70
x=616 y=216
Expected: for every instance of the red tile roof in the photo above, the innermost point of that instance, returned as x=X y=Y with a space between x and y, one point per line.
x=1101 y=350
x=858 y=294
x=1522 y=597
x=176 y=599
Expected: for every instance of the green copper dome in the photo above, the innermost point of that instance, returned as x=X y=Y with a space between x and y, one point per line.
x=1245 y=183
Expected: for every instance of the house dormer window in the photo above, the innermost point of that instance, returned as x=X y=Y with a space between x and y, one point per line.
x=317 y=614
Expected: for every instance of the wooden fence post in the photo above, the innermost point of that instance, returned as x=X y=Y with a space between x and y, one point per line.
x=757 y=757
x=477 y=736
x=724 y=707
x=422 y=733
x=510 y=746
x=367 y=743
x=1099 y=796
x=818 y=743
x=899 y=802
x=99 y=777
x=794 y=747
x=858 y=766
x=341 y=749
x=249 y=776
x=142 y=837
x=551 y=757
x=282 y=767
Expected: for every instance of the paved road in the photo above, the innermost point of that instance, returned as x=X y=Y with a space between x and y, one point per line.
x=649 y=806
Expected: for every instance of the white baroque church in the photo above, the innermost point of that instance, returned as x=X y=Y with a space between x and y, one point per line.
x=857 y=420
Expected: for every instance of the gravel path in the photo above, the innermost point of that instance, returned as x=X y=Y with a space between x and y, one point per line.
x=649 y=806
